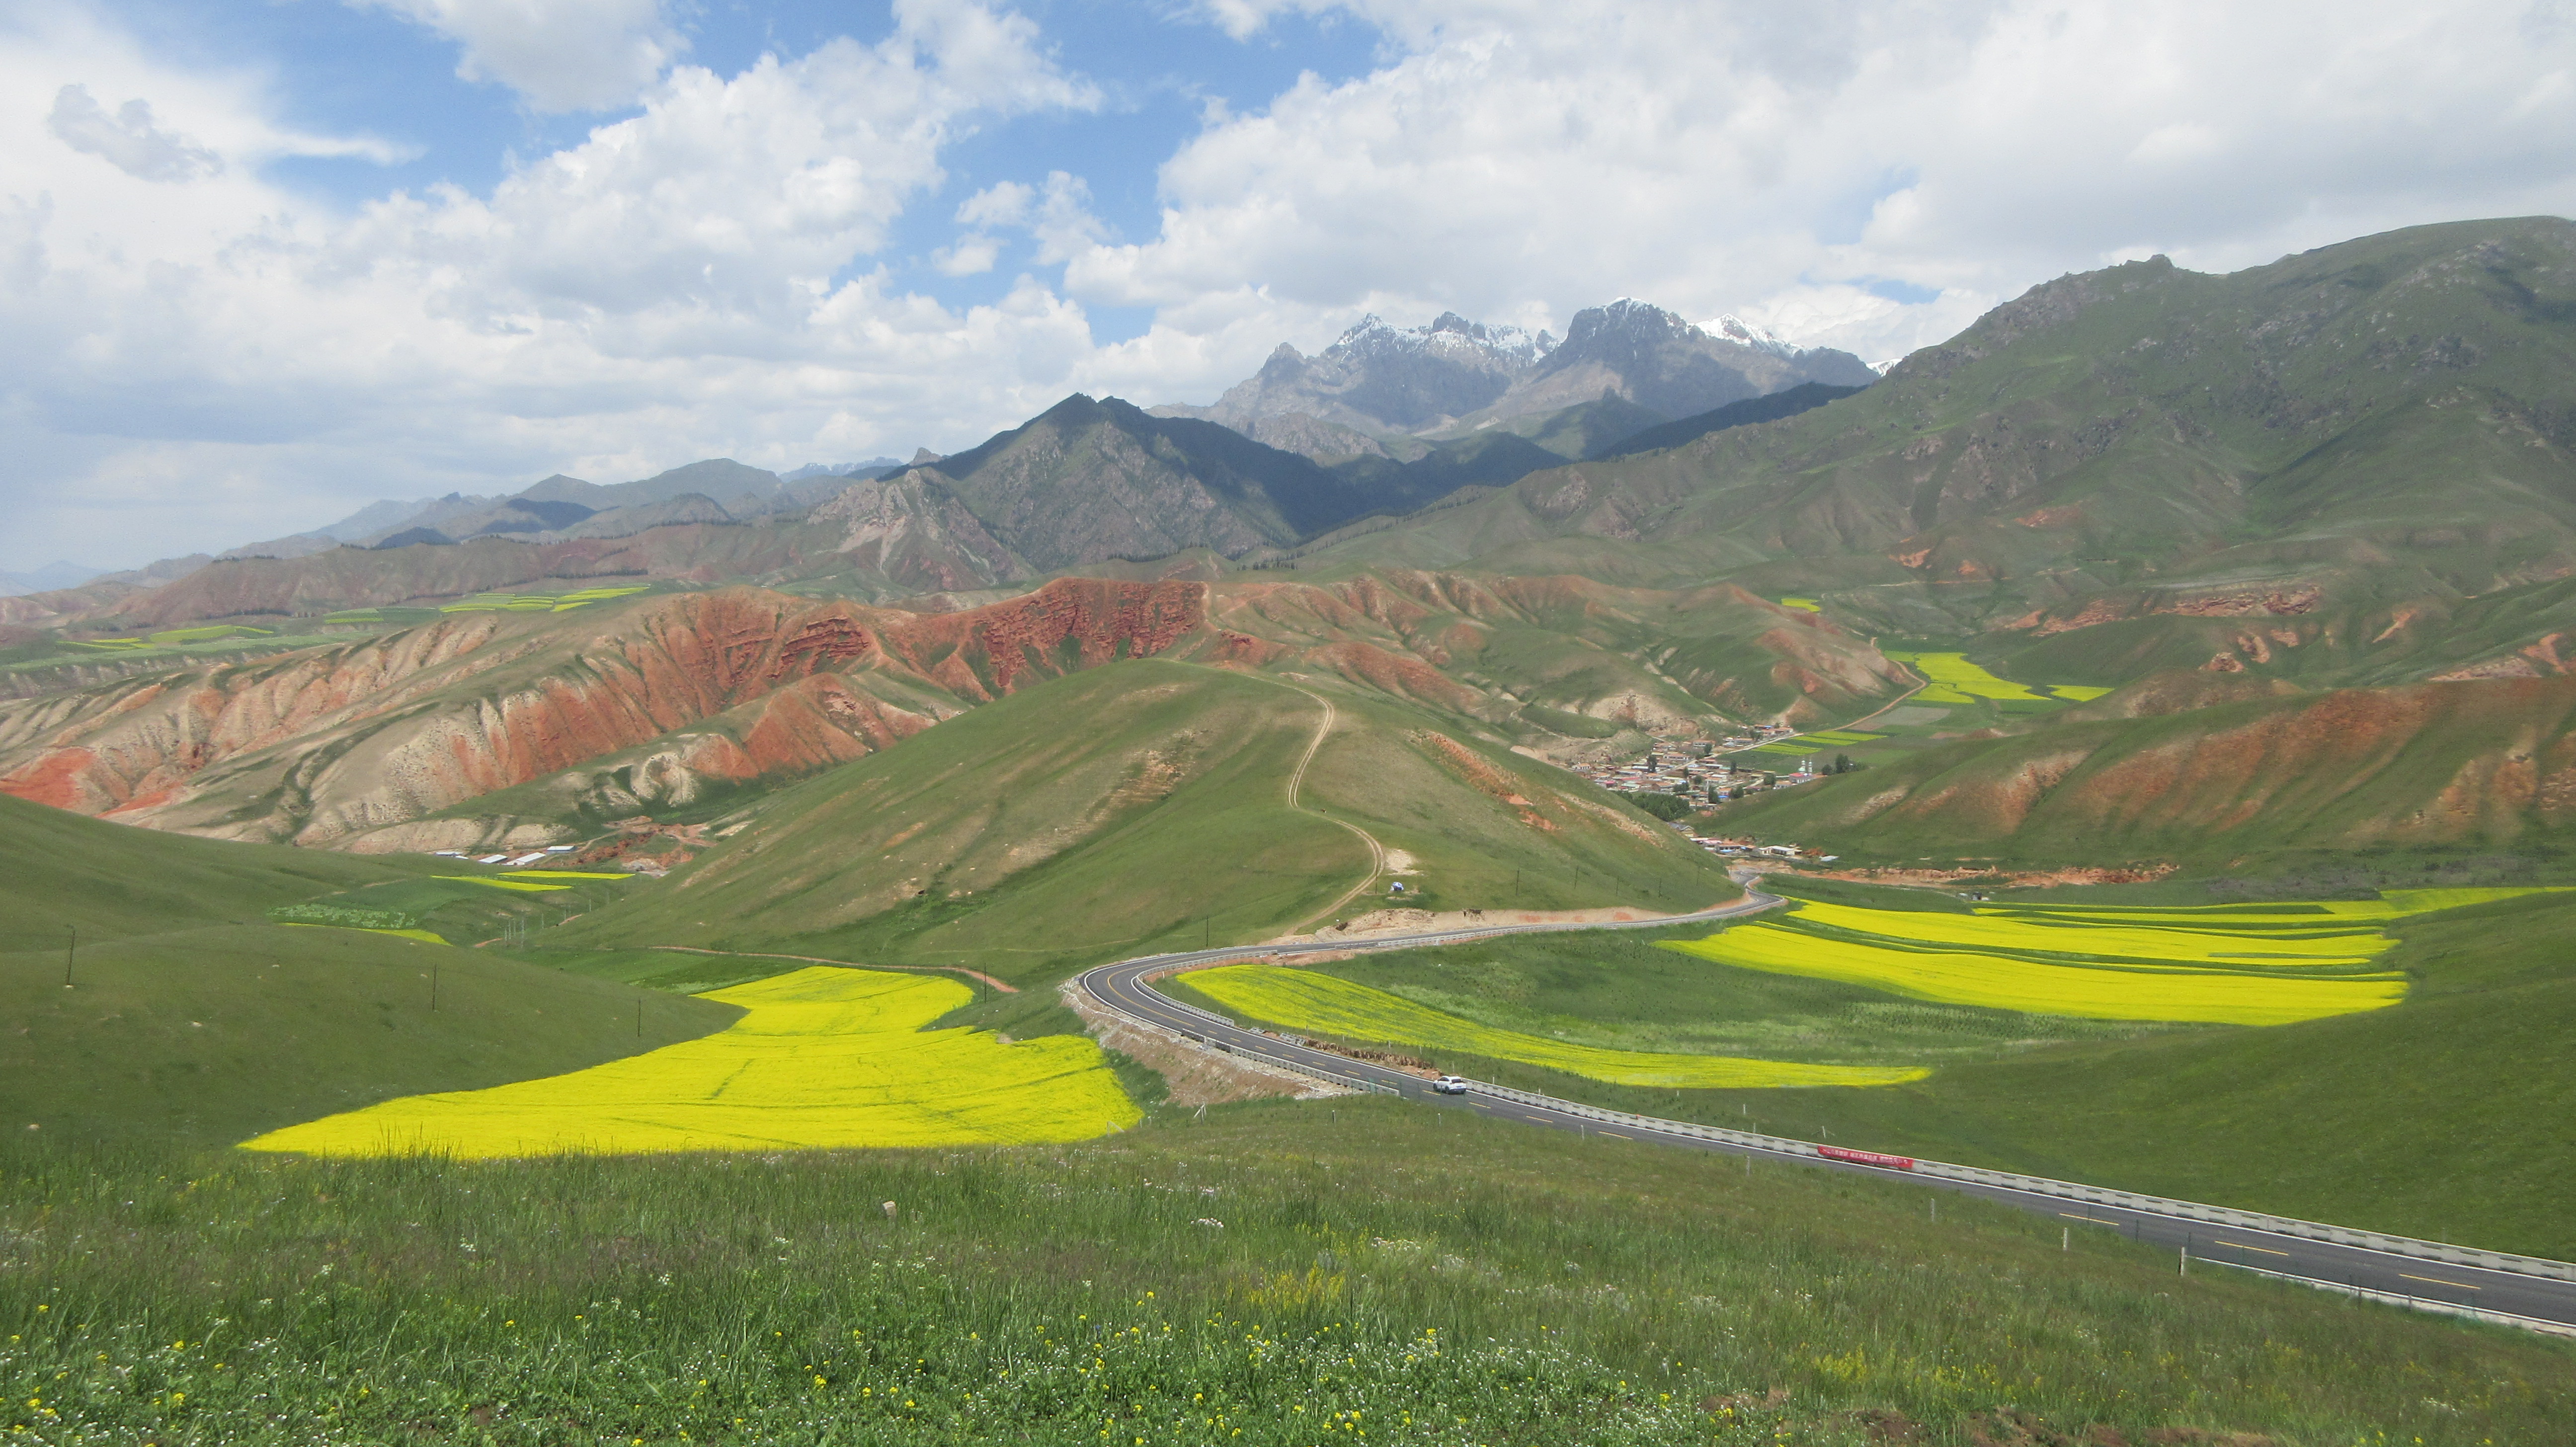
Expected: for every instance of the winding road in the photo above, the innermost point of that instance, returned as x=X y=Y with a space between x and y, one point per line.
x=2523 y=1297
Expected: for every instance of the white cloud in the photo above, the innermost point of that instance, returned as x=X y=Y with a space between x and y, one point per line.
x=128 y=140
x=1004 y=203
x=972 y=255
x=560 y=55
x=1523 y=158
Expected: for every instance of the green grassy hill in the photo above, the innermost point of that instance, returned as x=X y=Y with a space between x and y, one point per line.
x=1143 y=805
x=190 y=1017
x=66 y=872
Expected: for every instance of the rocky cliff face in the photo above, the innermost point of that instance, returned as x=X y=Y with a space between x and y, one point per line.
x=914 y=531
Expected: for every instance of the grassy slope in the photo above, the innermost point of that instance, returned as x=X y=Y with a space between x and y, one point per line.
x=1128 y=808
x=192 y=1018
x=109 y=880
x=1451 y=1279
x=2445 y=1116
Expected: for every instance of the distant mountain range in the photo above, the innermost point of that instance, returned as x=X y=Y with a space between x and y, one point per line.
x=1455 y=376
x=56 y=574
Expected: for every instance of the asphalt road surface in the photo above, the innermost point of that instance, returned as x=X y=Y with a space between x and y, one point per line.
x=1122 y=988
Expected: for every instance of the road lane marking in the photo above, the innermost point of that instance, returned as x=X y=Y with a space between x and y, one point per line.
x=2241 y=1246
x=2437 y=1281
x=1609 y=1133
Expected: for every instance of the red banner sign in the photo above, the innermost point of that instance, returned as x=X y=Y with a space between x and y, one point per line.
x=1866 y=1158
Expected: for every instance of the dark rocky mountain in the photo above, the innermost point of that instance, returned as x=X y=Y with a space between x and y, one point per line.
x=1804 y=397
x=1089 y=480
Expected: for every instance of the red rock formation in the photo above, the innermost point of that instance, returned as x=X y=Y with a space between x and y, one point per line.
x=327 y=744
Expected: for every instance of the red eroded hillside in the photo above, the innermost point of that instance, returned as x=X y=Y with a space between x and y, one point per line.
x=2480 y=762
x=330 y=745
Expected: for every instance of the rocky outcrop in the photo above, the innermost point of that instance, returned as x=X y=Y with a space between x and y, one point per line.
x=916 y=532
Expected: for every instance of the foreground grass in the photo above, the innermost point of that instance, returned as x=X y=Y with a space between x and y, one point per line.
x=1380 y=1269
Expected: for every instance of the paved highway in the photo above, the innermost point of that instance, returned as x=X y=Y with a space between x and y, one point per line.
x=2540 y=1300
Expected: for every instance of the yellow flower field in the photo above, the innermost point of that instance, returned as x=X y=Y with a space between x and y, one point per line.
x=1953 y=679
x=2392 y=904
x=1302 y=1000
x=2141 y=941
x=825 y=1058
x=2001 y=982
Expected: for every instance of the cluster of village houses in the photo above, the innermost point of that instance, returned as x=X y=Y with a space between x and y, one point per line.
x=1706 y=773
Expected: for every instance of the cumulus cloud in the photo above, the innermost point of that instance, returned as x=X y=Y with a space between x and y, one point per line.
x=971 y=255
x=127 y=140
x=691 y=280
x=560 y=55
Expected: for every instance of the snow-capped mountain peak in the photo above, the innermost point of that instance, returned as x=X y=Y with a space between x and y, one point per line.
x=1732 y=328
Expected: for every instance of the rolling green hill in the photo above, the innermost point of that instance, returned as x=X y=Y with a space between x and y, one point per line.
x=112 y=881
x=1143 y=805
x=192 y=1018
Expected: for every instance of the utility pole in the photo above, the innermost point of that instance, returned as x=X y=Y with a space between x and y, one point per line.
x=433 y=987
x=639 y=1017
x=71 y=952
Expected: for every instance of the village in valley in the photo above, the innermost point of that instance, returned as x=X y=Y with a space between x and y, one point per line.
x=1707 y=773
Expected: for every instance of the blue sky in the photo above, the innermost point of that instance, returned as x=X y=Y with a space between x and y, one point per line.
x=263 y=263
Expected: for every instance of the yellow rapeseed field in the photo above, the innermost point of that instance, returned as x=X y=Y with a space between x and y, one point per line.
x=2002 y=982
x=1953 y=679
x=2392 y=904
x=2139 y=941
x=1303 y=1000
x=825 y=1058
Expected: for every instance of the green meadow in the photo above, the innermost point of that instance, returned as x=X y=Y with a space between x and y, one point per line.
x=1261 y=1274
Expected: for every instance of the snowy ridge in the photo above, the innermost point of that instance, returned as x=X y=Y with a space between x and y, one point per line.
x=1448 y=336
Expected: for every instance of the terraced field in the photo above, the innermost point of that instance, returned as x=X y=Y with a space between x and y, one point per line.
x=1303 y=1000
x=825 y=1059
x=2221 y=964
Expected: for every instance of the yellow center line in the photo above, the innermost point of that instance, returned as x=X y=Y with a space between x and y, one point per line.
x=2437 y=1281
x=1613 y=1133
x=2241 y=1246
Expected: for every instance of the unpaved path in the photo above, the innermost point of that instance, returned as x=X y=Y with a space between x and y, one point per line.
x=1297 y=776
